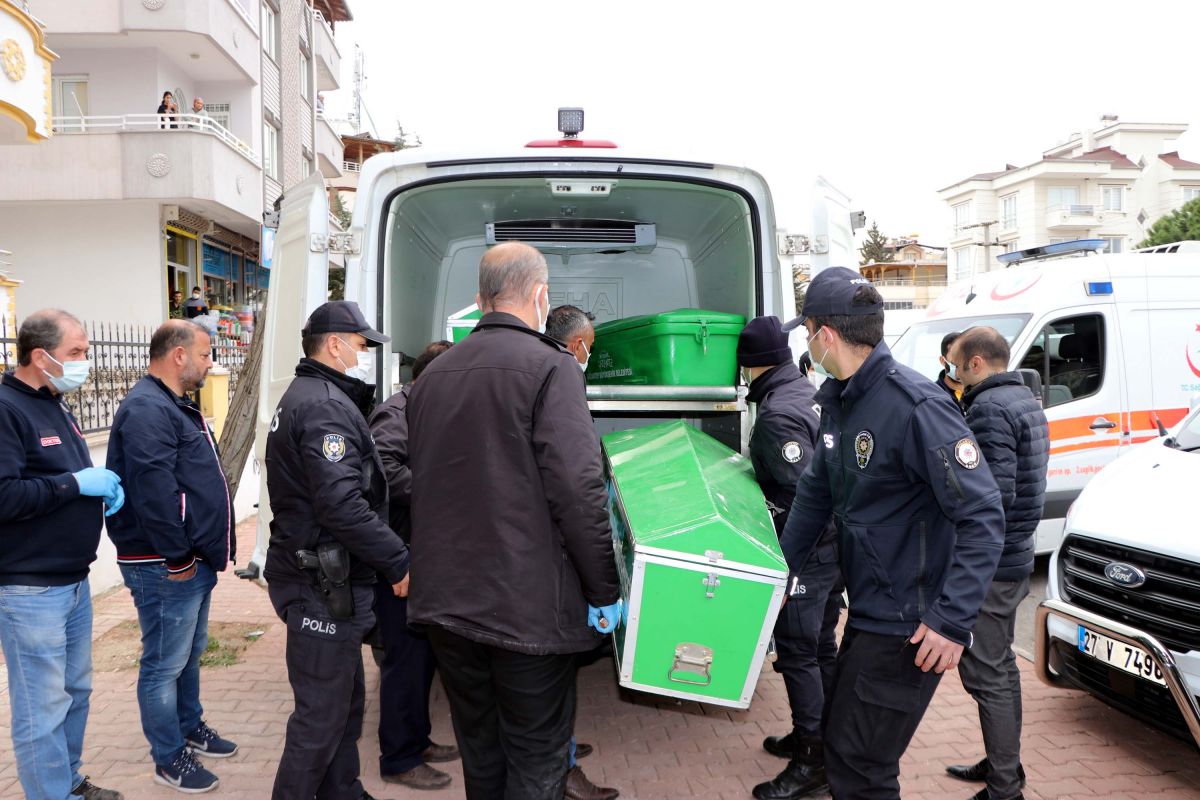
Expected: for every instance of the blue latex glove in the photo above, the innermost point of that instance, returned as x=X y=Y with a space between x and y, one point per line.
x=610 y=614
x=98 y=482
x=113 y=503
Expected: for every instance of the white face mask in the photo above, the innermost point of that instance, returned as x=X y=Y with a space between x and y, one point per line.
x=75 y=374
x=364 y=368
x=819 y=366
x=588 y=356
x=537 y=301
x=952 y=372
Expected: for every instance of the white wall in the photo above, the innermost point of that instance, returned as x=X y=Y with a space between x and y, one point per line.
x=102 y=262
x=120 y=81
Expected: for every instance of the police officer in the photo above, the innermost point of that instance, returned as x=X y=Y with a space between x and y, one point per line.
x=920 y=527
x=781 y=445
x=329 y=536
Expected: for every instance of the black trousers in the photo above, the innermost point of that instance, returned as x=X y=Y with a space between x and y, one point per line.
x=513 y=714
x=806 y=643
x=879 y=697
x=405 y=678
x=324 y=662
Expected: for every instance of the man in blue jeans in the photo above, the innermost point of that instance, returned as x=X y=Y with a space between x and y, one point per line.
x=174 y=535
x=51 y=506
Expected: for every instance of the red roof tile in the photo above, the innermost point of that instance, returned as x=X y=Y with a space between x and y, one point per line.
x=1175 y=161
x=1118 y=160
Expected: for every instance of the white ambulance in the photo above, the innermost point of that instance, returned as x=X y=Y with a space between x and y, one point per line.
x=1115 y=339
x=623 y=233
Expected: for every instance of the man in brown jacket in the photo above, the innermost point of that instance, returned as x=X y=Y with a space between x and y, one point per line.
x=511 y=547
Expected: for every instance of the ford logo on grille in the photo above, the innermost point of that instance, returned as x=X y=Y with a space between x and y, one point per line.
x=1126 y=575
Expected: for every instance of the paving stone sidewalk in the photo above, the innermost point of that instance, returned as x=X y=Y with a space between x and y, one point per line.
x=1074 y=746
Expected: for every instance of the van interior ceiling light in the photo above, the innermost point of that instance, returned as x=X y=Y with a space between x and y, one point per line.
x=570 y=122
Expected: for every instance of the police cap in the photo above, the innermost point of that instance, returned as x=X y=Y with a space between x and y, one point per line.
x=342 y=316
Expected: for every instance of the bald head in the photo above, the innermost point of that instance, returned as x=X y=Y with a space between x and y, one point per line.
x=508 y=275
x=983 y=342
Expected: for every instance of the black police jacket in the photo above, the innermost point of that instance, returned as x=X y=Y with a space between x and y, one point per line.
x=1014 y=436
x=510 y=531
x=919 y=516
x=325 y=481
x=782 y=442
x=177 y=503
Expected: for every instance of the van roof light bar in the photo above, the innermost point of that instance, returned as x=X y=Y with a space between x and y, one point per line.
x=1056 y=250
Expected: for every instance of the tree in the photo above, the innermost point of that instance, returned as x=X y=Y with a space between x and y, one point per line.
x=874 y=249
x=799 y=286
x=1180 y=225
x=405 y=140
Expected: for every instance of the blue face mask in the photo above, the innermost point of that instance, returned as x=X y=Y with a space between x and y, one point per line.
x=75 y=374
x=952 y=371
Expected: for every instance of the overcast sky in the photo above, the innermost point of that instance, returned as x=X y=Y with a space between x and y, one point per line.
x=890 y=101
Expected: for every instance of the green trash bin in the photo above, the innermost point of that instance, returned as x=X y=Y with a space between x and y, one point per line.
x=701 y=571
x=685 y=347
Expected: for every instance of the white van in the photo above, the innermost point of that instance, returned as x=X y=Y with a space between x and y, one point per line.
x=623 y=233
x=1115 y=338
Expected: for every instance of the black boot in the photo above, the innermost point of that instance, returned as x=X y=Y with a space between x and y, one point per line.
x=781 y=746
x=804 y=774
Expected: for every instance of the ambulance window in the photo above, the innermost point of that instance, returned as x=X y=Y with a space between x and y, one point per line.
x=1069 y=354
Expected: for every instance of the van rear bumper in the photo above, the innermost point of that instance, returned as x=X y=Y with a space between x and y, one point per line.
x=1187 y=704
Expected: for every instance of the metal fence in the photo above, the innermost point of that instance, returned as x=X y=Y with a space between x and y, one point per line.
x=120 y=355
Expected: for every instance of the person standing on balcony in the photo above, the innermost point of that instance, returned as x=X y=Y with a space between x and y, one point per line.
x=172 y=538
x=49 y=531
x=167 y=111
x=198 y=111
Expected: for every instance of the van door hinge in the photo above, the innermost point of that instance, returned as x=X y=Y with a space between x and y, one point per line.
x=348 y=243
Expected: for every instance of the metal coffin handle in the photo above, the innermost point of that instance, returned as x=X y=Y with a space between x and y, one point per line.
x=691 y=659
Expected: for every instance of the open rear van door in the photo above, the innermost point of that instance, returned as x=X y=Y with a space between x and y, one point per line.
x=299 y=283
x=833 y=233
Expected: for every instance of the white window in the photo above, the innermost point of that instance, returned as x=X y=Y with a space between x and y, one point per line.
x=219 y=113
x=1116 y=244
x=271 y=150
x=305 y=68
x=962 y=216
x=1061 y=239
x=70 y=102
x=1008 y=211
x=1012 y=247
x=1061 y=197
x=962 y=262
x=1190 y=193
x=270 y=32
x=1114 y=197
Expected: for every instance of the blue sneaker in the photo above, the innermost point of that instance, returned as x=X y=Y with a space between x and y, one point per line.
x=185 y=774
x=207 y=742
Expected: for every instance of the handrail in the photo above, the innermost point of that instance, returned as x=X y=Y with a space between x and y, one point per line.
x=351 y=166
x=164 y=123
x=1074 y=209
x=319 y=17
x=244 y=14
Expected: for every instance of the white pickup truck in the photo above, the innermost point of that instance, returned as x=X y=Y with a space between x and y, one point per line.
x=1121 y=618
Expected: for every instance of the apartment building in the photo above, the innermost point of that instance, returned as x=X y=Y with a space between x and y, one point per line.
x=913 y=279
x=124 y=204
x=1110 y=183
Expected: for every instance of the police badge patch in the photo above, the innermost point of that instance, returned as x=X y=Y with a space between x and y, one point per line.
x=966 y=453
x=334 y=446
x=864 y=446
x=792 y=452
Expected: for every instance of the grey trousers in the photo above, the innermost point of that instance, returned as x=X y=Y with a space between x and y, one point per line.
x=989 y=672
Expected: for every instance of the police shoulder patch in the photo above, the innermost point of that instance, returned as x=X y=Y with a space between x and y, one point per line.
x=792 y=452
x=864 y=447
x=334 y=446
x=966 y=452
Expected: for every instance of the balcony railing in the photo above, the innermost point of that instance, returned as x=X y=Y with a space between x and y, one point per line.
x=243 y=13
x=1075 y=210
x=319 y=19
x=148 y=123
x=909 y=282
x=351 y=166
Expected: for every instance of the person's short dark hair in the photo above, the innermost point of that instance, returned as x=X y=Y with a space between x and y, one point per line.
x=948 y=340
x=42 y=330
x=859 y=330
x=805 y=363
x=986 y=342
x=431 y=351
x=312 y=343
x=197 y=289
x=565 y=322
x=172 y=334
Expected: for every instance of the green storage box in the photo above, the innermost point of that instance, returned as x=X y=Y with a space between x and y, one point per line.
x=460 y=324
x=685 y=347
x=701 y=571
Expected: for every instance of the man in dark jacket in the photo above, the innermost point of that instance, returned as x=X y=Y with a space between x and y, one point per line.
x=51 y=511
x=196 y=305
x=329 y=536
x=406 y=673
x=172 y=538
x=920 y=529
x=1014 y=437
x=512 y=550
x=781 y=446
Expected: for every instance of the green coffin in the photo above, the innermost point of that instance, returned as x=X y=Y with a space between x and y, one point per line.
x=685 y=347
x=701 y=570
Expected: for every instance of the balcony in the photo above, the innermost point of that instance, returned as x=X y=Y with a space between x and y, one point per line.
x=1073 y=217
x=196 y=163
x=329 y=148
x=329 y=60
x=213 y=40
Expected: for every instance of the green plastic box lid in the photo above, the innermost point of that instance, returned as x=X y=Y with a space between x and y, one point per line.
x=694 y=316
x=685 y=492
